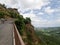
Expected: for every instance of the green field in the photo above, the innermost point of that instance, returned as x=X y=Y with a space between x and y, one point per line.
x=49 y=36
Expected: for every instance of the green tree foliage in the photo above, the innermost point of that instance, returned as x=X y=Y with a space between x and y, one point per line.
x=13 y=12
x=27 y=20
x=3 y=5
x=1 y=15
x=20 y=24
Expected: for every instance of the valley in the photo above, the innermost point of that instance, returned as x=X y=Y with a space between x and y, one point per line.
x=49 y=36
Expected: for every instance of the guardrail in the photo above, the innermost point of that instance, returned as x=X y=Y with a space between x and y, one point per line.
x=17 y=38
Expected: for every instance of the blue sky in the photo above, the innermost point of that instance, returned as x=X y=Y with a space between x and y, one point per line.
x=43 y=13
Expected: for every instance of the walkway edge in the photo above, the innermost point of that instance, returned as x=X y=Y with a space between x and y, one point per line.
x=13 y=38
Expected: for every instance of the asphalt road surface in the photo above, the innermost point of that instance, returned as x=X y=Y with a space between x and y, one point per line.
x=6 y=33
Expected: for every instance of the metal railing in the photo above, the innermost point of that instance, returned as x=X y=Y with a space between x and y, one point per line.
x=17 y=38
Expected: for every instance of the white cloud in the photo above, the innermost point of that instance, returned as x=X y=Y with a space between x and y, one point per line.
x=32 y=4
x=49 y=10
x=30 y=1
x=57 y=9
x=41 y=13
x=29 y=15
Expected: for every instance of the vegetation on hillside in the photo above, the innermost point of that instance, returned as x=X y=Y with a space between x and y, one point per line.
x=50 y=36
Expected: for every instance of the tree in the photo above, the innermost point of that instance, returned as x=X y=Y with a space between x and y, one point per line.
x=27 y=20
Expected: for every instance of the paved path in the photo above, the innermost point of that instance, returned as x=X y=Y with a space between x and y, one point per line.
x=6 y=33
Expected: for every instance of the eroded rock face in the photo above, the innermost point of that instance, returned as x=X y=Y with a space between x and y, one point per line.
x=30 y=36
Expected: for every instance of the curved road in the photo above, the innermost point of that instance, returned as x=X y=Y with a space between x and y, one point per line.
x=6 y=33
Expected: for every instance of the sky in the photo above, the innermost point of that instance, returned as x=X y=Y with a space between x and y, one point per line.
x=43 y=13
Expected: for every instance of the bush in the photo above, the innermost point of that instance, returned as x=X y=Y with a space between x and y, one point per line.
x=27 y=20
